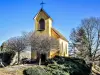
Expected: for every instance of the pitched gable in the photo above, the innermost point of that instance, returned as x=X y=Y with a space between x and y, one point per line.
x=42 y=11
x=59 y=34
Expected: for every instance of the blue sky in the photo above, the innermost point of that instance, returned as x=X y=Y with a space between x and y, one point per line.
x=16 y=16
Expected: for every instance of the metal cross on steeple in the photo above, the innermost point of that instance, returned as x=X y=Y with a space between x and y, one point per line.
x=42 y=3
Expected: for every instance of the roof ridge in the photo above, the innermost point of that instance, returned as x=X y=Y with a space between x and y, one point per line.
x=61 y=36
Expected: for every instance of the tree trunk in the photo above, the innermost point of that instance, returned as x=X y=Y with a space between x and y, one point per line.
x=1 y=63
x=14 y=59
x=39 y=58
x=39 y=61
x=18 y=57
x=99 y=62
x=90 y=63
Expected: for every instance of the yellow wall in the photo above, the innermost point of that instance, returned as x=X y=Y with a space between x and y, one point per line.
x=33 y=55
x=50 y=32
x=53 y=53
x=48 y=24
x=64 y=50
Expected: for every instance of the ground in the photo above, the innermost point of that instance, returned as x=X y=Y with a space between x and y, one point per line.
x=14 y=70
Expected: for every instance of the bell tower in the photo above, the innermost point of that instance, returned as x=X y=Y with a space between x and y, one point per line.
x=43 y=23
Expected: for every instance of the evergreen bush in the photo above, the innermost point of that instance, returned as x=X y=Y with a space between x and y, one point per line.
x=61 y=66
x=35 y=71
x=74 y=66
x=7 y=57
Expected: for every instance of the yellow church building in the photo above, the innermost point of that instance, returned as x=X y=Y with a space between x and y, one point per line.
x=43 y=25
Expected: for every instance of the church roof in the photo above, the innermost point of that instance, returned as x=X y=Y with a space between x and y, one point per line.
x=59 y=34
x=42 y=10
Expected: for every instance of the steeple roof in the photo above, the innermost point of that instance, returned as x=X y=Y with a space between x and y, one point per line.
x=42 y=10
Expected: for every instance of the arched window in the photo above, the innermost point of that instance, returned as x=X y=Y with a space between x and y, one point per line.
x=66 y=48
x=62 y=46
x=41 y=24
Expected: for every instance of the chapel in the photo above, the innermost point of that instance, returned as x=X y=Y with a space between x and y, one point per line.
x=43 y=26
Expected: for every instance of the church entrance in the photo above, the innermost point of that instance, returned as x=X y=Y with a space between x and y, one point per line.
x=43 y=58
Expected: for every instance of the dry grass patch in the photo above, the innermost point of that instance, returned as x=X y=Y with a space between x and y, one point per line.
x=14 y=70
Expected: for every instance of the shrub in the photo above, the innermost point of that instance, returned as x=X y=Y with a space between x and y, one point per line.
x=56 y=69
x=74 y=66
x=26 y=61
x=35 y=71
x=7 y=57
x=44 y=71
x=61 y=66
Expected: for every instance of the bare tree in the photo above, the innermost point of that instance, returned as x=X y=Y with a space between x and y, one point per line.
x=43 y=44
x=89 y=38
x=17 y=44
x=92 y=30
x=26 y=37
